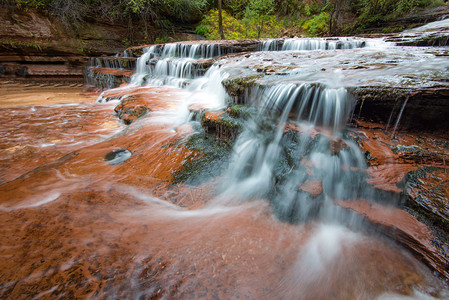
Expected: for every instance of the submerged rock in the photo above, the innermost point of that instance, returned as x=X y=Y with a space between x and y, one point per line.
x=117 y=157
x=129 y=110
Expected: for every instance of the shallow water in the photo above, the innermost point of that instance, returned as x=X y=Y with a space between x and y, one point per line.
x=77 y=226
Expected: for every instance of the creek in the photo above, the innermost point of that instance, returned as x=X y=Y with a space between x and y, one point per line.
x=228 y=174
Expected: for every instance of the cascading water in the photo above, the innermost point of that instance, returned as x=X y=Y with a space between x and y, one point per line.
x=295 y=152
x=318 y=44
x=296 y=142
x=173 y=64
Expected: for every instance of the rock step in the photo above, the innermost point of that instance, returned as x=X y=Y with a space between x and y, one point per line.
x=405 y=229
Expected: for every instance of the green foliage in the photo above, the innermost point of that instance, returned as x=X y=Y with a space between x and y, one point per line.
x=260 y=7
x=161 y=39
x=236 y=7
x=126 y=42
x=258 y=13
x=39 y=4
x=233 y=28
x=136 y=6
x=203 y=29
x=15 y=44
x=318 y=25
x=173 y=7
x=241 y=18
x=258 y=21
x=380 y=10
x=70 y=11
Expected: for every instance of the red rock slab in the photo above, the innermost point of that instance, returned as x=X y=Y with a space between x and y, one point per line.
x=196 y=107
x=155 y=98
x=32 y=136
x=213 y=115
x=120 y=241
x=404 y=228
x=379 y=147
x=388 y=168
x=115 y=72
x=387 y=176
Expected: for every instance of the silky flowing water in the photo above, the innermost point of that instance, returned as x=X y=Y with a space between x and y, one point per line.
x=75 y=225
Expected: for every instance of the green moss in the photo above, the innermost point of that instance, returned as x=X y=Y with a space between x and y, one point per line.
x=236 y=86
x=230 y=122
x=407 y=148
x=393 y=29
x=209 y=161
x=14 y=44
x=241 y=111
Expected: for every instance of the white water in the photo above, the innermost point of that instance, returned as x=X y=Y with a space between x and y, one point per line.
x=320 y=44
x=437 y=25
x=172 y=64
x=258 y=167
x=267 y=163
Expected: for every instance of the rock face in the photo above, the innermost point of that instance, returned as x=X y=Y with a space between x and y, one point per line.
x=39 y=47
x=428 y=190
x=107 y=78
x=422 y=108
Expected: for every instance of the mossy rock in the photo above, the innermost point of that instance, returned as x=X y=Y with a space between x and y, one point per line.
x=210 y=160
x=129 y=110
x=407 y=149
x=225 y=127
x=236 y=86
x=241 y=111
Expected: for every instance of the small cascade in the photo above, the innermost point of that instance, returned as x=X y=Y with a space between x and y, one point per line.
x=110 y=71
x=318 y=44
x=296 y=154
x=322 y=44
x=196 y=51
x=173 y=64
x=271 y=45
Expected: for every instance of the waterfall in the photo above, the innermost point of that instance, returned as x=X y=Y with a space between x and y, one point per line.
x=142 y=68
x=298 y=44
x=297 y=144
x=322 y=44
x=172 y=64
x=197 y=51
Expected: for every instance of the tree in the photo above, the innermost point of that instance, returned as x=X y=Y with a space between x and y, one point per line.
x=259 y=11
x=220 y=21
x=334 y=7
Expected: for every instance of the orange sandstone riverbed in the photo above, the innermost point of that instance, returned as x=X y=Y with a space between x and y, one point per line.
x=74 y=226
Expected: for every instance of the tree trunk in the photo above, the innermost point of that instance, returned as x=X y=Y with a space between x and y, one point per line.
x=220 y=21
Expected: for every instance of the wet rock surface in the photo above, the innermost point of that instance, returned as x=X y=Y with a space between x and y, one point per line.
x=108 y=78
x=407 y=230
x=411 y=166
x=100 y=230
x=428 y=189
x=198 y=209
x=129 y=110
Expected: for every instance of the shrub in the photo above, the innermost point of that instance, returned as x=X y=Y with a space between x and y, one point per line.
x=318 y=25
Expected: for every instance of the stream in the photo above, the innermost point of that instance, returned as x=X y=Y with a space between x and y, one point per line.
x=93 y=206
